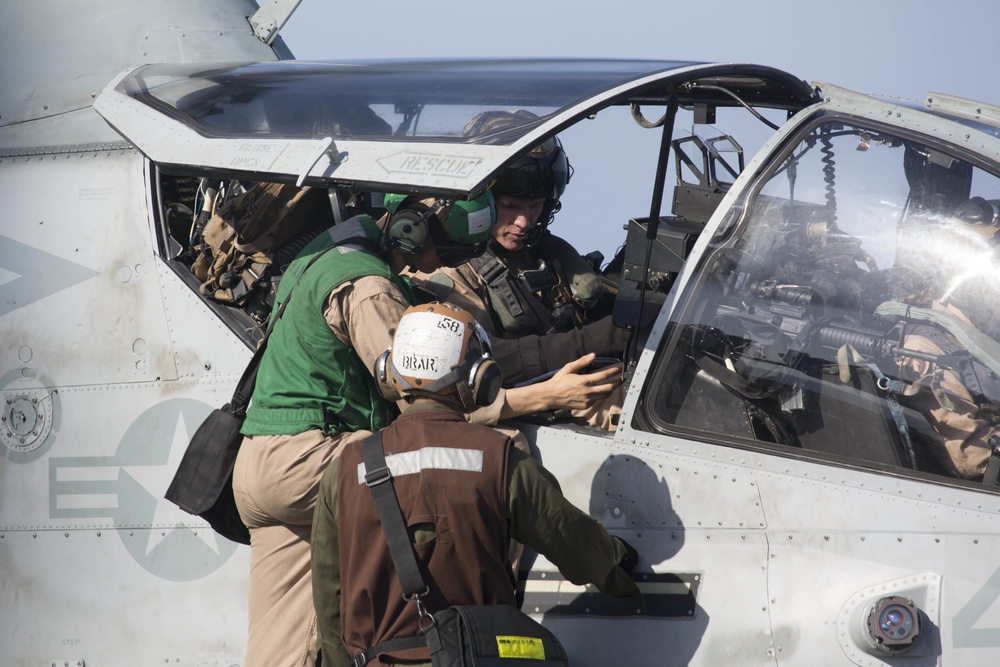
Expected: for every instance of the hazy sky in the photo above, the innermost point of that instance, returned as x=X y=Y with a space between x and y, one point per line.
x=895 y=47
x=898 y=48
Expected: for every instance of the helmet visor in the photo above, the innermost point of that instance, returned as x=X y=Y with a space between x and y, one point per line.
x=542 y=173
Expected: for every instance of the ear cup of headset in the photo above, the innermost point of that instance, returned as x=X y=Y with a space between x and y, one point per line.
x=485 y=379
x=381 y=373
x=408 y=230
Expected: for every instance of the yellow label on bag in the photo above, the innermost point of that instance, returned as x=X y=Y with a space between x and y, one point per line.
x=520 y=647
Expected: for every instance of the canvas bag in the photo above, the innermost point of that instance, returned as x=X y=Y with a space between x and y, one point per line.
x=203 y=483
x=491 y=636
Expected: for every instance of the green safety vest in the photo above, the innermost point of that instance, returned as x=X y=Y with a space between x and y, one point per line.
x=308 y=379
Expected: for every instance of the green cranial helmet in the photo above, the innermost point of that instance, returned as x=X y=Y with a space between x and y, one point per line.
x=457 y=229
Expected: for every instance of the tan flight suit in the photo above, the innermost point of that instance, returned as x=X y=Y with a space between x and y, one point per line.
x=532 y=354
x=939 y=395
x=275 y=483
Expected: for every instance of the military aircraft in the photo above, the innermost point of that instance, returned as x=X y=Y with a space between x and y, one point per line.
x=813 y=355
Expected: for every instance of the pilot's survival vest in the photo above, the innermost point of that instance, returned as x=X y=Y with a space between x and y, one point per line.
x=553 y=297
x=253 y=236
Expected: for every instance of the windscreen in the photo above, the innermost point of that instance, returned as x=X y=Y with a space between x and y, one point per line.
x=849 y=309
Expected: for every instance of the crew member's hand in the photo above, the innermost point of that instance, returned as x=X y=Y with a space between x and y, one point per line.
x=572 y=389
x=569 y=389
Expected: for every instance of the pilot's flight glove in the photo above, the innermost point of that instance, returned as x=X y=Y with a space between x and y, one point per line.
x=631 y=557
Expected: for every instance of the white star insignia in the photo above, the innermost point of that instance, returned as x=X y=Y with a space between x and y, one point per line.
x=168 y=517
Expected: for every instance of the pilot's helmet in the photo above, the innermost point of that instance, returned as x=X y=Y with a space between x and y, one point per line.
x=952 y=246
x=955 y=256
x=457 y=229
x=541 y=173
x=440 y=351
x=982 y=217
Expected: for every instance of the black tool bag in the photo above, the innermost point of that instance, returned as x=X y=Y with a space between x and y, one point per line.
x=203 y=483
x=491 y=636
x=460 y=636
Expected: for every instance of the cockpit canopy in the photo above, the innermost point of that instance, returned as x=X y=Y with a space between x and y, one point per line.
x=397 y=125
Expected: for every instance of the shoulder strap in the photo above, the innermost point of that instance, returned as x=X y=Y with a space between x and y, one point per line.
x=244 y=388
x=378 y=478
x=514 y=309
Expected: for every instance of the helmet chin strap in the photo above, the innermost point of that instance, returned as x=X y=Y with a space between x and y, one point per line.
x=536 y=233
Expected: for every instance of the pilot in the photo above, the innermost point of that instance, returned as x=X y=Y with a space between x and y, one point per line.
x=530 y=285
x=951 y=358
x=315 y=393
x=439 y=360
